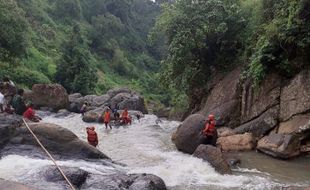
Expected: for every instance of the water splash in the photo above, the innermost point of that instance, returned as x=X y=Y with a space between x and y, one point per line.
x=144 y=147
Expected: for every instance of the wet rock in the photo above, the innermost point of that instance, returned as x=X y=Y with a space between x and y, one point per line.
x=214 y=156
x=224 y=101
x=8 y=123
x=236 y=142
x=12 y=185
x=261 y=125
x=189 y=135
x=146 y=182
x=295 y=97
x=121 y=181
x=292 y=188
x=75 y=175
x=233 y=162
x=58 y=140
x=62 y=113
x=256 y=102
x=280 y=145
x=49 y=95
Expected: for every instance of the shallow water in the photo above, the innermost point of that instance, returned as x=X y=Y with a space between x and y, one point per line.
x=147 y=148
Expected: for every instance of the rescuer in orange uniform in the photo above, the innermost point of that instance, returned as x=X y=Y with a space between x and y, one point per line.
x=107 y=119
x=125 y=117
x=92 y=136
x=210 y=130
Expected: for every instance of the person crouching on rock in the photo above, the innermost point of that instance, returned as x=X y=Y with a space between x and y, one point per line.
x=125 y=117
x=209 y=131
x=92 y=136
x=107 y=118
x=30 y=114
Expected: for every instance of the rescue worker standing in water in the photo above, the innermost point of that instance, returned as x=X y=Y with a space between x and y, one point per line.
x=209 y=131
x=92 y=136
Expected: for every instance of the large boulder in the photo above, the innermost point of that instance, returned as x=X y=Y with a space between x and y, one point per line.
x=76 y=101
x=224 y=101
x=257 y=101
x=294 y=124
x=97 y=101
x=261 y=125
x=280 y=145
x=295 y=97
x=188 y=135
x=131 y=101
x=114 y=92
x=214 y=156
x=75 y=175
x=48 y=95
x=12 y=185
x=94 y=115
x=236 y=142
x=8 y=123
x=58 y=140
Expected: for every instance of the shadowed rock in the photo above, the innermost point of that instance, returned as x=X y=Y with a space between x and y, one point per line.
x=214 y=156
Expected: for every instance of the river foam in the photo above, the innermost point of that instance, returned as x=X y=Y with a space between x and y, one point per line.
x=144 y=147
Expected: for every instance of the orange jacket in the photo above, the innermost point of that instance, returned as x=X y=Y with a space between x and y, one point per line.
x=209 y=128
x=92 y=137
x=125 y=114
x=107 y=117
x=29 y=114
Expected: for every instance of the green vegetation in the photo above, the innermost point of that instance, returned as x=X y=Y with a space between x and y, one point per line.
x=211 y=36
x=90 y=46
x=87 y=46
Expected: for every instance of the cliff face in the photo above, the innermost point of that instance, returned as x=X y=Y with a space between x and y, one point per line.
x=277 y=113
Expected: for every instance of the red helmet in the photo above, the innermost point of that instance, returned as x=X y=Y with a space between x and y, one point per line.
x=92 y=128
x=211 y=117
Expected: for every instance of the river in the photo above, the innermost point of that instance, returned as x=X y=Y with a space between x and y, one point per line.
x=146 y=148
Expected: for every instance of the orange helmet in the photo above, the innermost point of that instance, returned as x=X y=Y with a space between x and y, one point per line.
x=211 y=117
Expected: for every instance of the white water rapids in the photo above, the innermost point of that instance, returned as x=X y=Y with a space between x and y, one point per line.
x=145 y=148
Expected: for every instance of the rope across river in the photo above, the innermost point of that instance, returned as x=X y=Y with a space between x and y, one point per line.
x=51 y=157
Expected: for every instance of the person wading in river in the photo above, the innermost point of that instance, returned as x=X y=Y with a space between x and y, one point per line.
x=125 y=117
x=107 y=119
x=92 y=136
x=209 y=131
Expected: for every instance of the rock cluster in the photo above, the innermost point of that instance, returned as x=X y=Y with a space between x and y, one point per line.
x=274 y=118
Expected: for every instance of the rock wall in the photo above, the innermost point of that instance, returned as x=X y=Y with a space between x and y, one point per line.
x=277 y=114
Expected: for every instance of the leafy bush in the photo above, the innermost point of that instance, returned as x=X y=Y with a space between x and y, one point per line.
x=26 y=77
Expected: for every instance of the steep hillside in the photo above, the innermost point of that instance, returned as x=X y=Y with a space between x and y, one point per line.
x=88 y=46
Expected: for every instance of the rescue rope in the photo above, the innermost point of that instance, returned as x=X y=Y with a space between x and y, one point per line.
x=51 y=157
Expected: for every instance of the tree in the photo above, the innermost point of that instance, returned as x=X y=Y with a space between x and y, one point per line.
x=13 y=30
x=75 y=70
x=202 y=35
